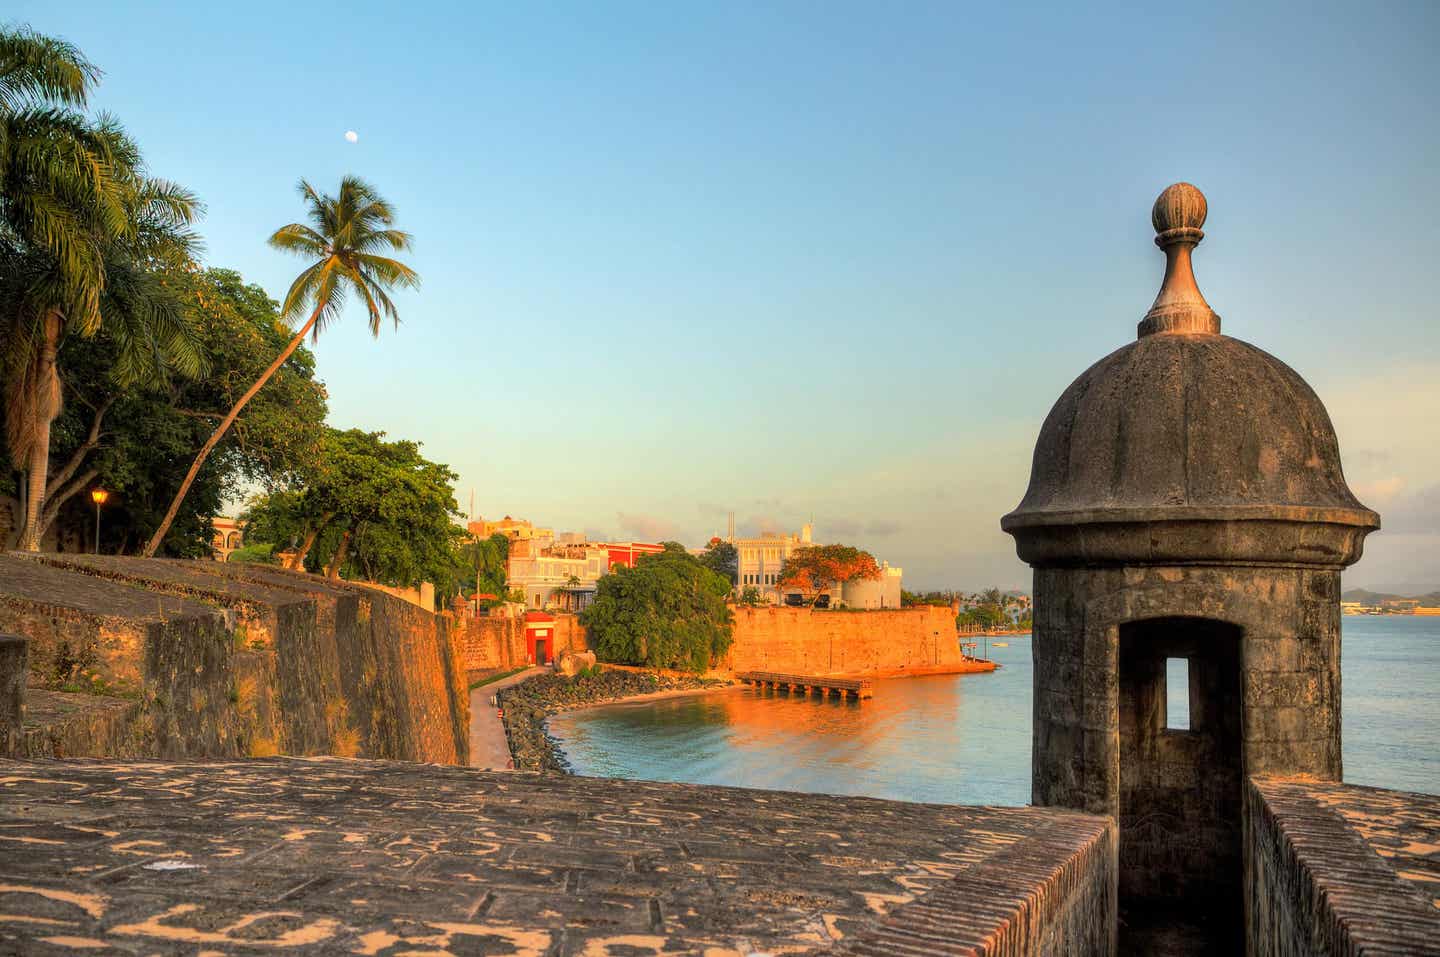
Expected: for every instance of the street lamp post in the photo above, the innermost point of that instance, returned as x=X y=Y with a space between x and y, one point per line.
x=98 y=496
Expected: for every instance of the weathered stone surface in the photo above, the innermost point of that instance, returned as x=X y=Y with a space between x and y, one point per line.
x=1341 y=869
x=401 y=691
x=571 y=663
x=1186 y=501
x=233 y=659
x=383 y=857
x=173 y=655
x=61 y=724
x=14 y=666
x=287 y=672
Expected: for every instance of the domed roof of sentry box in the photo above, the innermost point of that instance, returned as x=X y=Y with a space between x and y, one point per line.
x=1187 y=445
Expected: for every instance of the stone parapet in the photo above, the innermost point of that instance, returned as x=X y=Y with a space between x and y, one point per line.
x=229 y=660
x=1051 y=895
x=397 y=668
x=1340 y=869
x=326 y=856
x=172 y=655
x=286 y=670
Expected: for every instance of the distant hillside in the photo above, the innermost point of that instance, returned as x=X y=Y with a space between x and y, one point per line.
x=1366 y=597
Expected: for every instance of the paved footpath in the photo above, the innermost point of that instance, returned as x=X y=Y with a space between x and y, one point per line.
x=488 y=747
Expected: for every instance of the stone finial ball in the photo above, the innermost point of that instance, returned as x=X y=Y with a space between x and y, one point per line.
x=1181 y=206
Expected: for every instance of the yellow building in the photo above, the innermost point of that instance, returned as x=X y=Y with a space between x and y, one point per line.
x=515 y=529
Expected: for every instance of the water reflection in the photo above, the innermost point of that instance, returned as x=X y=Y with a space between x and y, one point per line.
x=966 y=739
x=950 y=739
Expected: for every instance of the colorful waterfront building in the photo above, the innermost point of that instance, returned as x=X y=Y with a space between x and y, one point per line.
x=627 y=553
x=567 y=575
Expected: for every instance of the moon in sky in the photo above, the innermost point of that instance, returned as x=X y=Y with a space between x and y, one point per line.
x=351 y=136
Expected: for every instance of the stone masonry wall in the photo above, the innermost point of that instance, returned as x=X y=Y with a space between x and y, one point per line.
x=805 y=641
x=1340 y=869
x=1262 y=639
x=286 y=669
x=392 y=674
x=172 y=656
x=1051 y=896
x=250 y=661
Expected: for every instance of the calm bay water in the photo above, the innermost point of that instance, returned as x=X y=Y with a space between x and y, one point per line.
x=966 y=739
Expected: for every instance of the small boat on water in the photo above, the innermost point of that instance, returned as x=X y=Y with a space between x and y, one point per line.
x=999 y=644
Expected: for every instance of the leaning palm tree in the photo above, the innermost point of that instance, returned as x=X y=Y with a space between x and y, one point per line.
x=349 y=232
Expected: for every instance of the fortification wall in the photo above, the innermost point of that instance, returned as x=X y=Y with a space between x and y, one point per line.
x=796 y=640
x=228 y=660
x=806 y=641
x=1340 y=869
x=493 y=644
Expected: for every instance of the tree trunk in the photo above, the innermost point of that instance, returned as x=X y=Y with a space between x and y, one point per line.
x=220 y=431
x=333 y=572
x=47 y=407
x=64 y=484
x=298 y=562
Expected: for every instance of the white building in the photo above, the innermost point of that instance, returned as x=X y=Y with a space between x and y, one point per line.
x=761 y=559
x=882 y=592
x=563 y=576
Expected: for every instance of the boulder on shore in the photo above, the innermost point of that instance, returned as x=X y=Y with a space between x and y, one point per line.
x=571 y=663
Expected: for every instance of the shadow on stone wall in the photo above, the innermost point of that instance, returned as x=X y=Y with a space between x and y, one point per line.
x=220 y=660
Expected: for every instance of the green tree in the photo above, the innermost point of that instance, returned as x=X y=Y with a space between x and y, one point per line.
x=349 y=232
x=87 y=240
x=722 y=558
x=379 y=509
x=668 y=611
x=484 y=565
x=136 y=439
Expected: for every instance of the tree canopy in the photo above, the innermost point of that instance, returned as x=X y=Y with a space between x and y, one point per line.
x=135 y=439
x=668 y=611
x=373 y=509
x=722 y=558
x=812 y=569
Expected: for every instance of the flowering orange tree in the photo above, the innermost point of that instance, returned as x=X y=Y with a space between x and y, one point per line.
x=811 y=570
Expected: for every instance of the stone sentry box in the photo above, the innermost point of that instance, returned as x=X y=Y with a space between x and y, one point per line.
x=1186 y=500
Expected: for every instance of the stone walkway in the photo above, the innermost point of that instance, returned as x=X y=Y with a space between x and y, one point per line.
x=371 y=857
x=488 y=746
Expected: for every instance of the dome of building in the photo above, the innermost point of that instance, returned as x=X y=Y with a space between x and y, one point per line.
x=1186 y=425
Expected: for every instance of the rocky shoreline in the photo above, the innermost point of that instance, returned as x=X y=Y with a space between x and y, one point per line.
x=526 y=707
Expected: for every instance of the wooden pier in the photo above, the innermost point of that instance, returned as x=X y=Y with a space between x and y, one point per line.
x=857 y=688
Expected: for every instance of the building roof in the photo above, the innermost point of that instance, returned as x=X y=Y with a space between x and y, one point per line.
x=538 y=616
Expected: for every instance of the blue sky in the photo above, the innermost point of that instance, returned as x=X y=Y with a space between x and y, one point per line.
x=829 y=259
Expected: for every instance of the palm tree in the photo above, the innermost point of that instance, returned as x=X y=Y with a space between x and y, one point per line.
x=348 y=233
x=83 y=231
